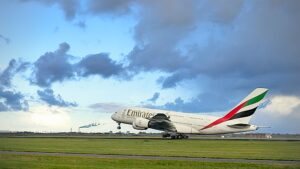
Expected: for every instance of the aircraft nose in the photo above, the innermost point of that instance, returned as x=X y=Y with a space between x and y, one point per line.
x=114 y=116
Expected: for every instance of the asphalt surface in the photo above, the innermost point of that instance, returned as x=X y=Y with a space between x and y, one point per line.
x=156 y=157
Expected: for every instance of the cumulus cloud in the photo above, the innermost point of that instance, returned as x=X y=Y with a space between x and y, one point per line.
x=8 y=73
x=11 y=100
x=58 y=66
x=47 y=95
x=282 y=105
x=99 y=64
x=53 y=66
x=281 y=114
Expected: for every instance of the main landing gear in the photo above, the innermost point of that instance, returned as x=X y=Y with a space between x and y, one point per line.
x=119 y=126
x=175 y=136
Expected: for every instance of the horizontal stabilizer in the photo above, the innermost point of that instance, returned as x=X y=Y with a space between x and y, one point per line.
x=263 y=127
x=239 y=126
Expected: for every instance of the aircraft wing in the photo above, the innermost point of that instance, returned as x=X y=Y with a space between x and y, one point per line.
x=161 y=122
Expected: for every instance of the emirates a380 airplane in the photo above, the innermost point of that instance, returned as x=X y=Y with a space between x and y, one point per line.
x=178 y=124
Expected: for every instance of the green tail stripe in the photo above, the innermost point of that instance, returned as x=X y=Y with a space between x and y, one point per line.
x=255 y=99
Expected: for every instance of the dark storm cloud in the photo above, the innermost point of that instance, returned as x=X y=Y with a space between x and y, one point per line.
x=164 y=25
x=250 y=44
x=261 y=50
x=12 y=100
x=220 y=11
x=47 y=95
x=161 y=27
x=99 y=64
x=111 y=7
x=53 y=66
x=69 y=7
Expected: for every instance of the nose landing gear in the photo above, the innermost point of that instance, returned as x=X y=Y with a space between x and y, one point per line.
x=119 y=126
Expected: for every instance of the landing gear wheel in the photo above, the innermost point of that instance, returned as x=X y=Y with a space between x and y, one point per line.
x=166 y=135
x=119 y=126
x=175 y=136
x=179 y=136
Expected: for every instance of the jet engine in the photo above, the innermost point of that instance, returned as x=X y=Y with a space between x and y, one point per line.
x=140 y=124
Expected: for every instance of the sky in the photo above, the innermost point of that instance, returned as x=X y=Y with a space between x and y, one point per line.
x=68 y=63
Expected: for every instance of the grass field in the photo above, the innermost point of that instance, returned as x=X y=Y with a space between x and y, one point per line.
x=244 y=149
x=36 y=161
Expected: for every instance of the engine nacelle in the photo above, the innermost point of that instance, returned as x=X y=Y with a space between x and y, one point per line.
x=140 y=124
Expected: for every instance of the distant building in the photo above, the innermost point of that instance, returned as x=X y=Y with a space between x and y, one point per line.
x=269 y=136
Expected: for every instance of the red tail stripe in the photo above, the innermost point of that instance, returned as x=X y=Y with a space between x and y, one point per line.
x=226 y=117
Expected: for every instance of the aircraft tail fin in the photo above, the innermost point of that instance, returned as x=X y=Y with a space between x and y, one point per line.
x=245 y=109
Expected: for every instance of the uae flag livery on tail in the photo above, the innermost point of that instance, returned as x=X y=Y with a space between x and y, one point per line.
x=244 y=109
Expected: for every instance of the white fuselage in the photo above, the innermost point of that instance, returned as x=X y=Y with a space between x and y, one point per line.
x=185 y=123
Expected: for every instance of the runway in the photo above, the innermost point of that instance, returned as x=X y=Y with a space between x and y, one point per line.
x=156 y=157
